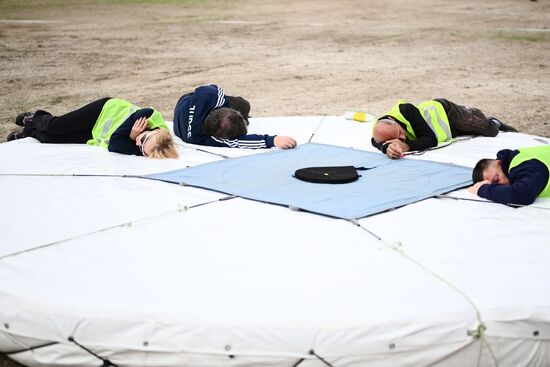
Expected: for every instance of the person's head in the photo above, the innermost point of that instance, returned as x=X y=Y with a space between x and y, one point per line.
x=157 y=144
x=387 y=129
x=490 y=170
x=225 y=123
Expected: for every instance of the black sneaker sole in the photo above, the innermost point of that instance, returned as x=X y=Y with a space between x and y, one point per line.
x=20 y=119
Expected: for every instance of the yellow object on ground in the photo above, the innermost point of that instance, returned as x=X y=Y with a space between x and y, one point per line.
x=359 y=116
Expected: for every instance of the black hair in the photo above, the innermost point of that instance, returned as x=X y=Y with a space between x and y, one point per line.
x=224 y=123
x=481 y=166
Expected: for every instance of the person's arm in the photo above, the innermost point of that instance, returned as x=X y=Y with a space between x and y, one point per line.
x=134 y=117
x=123 y=139
x=395 y=148
x=527 y=181
x=252 y=141
x=425 y=137
x=249 y=141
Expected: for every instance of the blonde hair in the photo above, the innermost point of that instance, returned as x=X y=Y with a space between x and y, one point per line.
x=165 y=147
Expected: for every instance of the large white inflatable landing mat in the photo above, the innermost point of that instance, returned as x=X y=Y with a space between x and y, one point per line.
x=102 y=268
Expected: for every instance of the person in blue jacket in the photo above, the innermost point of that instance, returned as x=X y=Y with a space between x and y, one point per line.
x=514 y=177
x=209 y=117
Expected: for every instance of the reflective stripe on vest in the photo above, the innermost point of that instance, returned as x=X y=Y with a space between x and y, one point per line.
x=434 y=115
x=113 y=114
x=106 y=127
x=541 y=154
x=436 y=118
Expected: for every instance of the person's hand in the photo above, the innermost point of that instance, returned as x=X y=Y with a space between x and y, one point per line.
x=475 y=188
x=284 y=142
x=395 y=148
x=139 y=126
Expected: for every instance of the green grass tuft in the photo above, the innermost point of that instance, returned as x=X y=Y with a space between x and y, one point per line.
x=539 y=37
x=58 y=99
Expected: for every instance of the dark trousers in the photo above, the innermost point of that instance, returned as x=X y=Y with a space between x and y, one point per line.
x=468 y=121
x=73 y=127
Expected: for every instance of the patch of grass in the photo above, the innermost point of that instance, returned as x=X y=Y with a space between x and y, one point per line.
x=58 y=99
x=519 y=37
x=12 y=5
x=141 y=1
x=16 y=9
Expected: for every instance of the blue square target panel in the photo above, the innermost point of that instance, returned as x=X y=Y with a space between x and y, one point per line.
x=269 y=177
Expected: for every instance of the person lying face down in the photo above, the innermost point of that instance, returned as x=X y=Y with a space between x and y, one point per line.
x=115 y=124
x=514 y=177
x=209 y=117
x=407 y=127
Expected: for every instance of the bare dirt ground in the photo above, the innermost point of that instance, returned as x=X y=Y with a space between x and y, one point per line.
x=309 y=57
x=287 y=57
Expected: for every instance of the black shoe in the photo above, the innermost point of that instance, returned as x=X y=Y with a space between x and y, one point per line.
x=508 y=128
x=24 y=119
x=501 y=125
x=15 y=135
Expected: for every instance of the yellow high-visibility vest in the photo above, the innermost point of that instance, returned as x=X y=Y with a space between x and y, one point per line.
x=434 y=115
x=541 y=154
x=113 y=114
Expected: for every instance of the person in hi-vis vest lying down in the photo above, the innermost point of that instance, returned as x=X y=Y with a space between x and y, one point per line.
x=515 y=176
x=112 y=123
x=409 y=127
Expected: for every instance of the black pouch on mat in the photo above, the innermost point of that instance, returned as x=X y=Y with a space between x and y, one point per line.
x=329 y=175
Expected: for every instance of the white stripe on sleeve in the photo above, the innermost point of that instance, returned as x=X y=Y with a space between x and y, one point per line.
x=221 y=98
x=247 y=144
